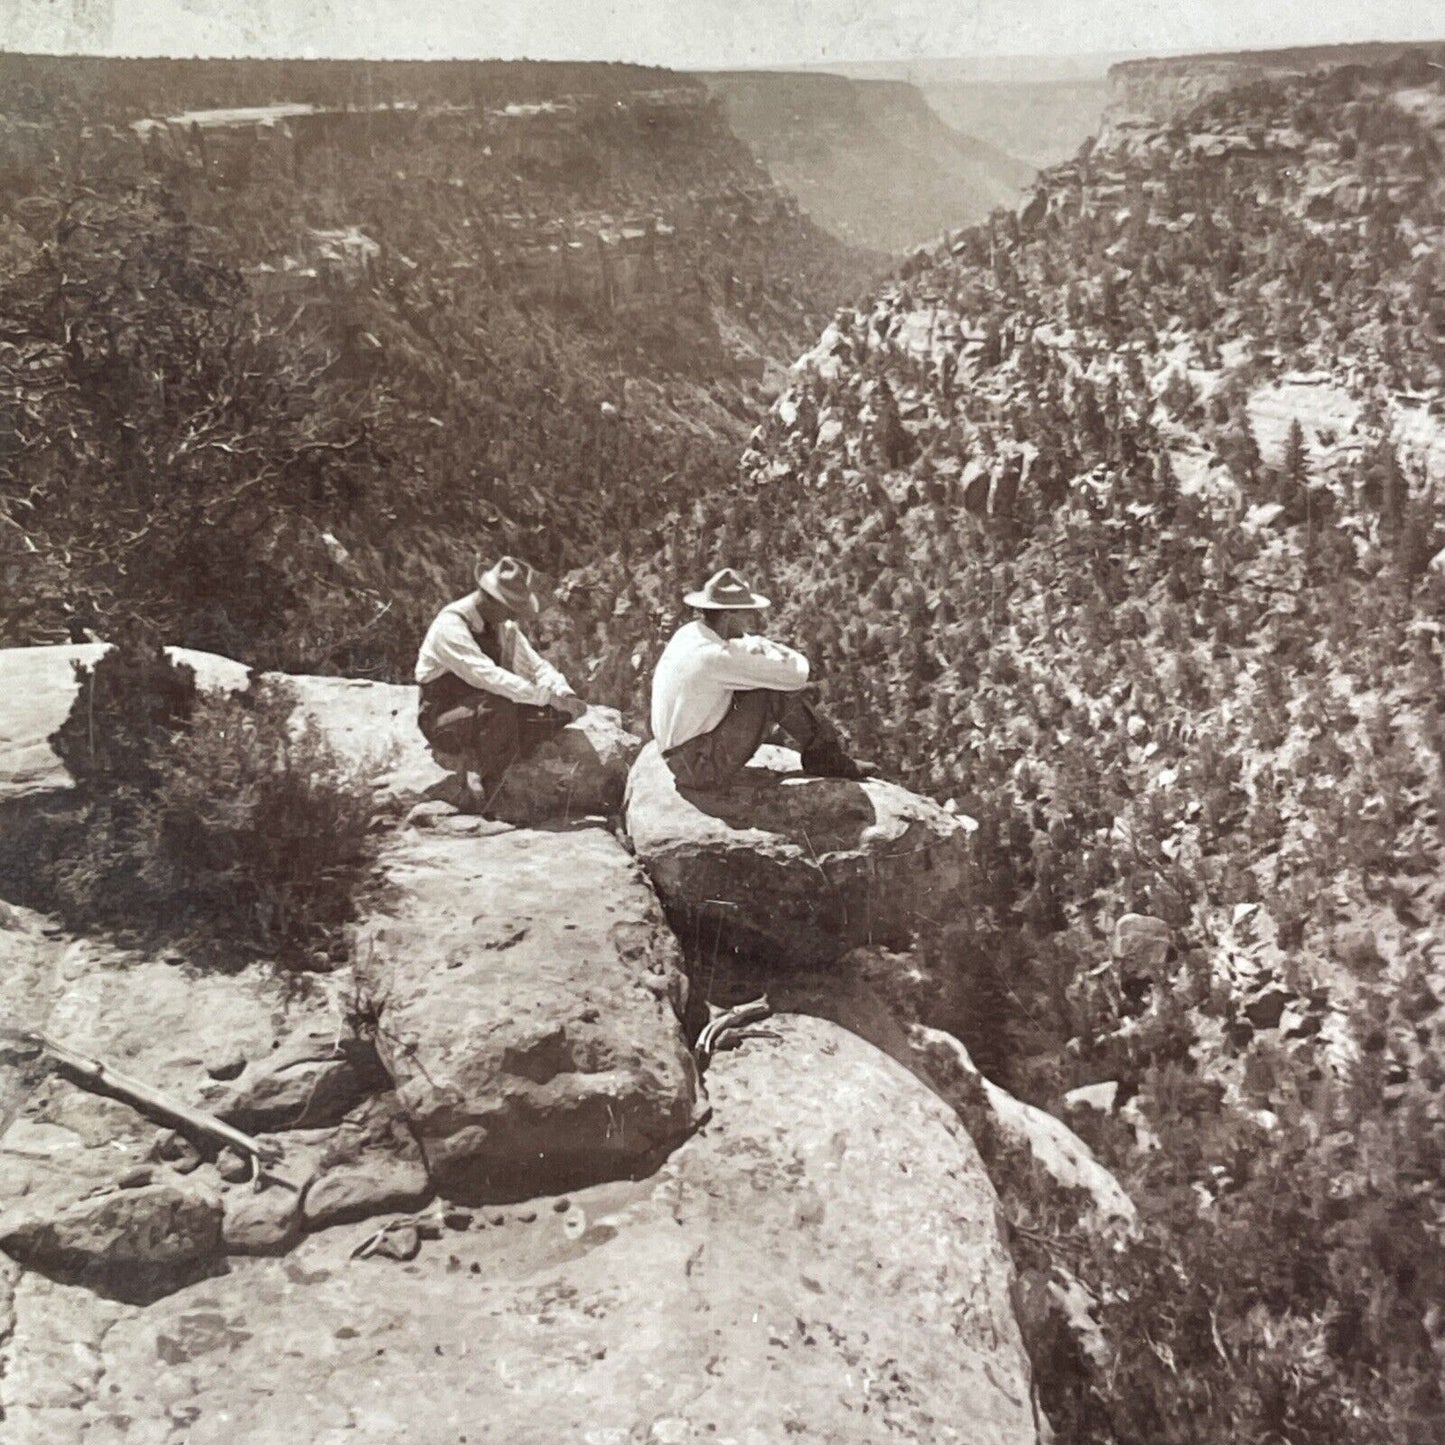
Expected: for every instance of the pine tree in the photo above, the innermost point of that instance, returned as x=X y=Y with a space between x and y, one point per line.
x=1394 y=490
x=1179 y=395
x=1089 y=417
x=992 y=353
x=1240 y=452
x=1296 y=459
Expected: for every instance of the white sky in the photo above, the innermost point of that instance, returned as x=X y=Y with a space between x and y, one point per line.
x=705 y=32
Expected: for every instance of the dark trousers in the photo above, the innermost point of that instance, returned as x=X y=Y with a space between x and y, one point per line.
x=713 y=760
x=487 y=731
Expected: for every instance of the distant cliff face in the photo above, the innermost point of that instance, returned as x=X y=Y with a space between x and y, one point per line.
x=1043 y=122
x=1148 y=92
x=869 y=159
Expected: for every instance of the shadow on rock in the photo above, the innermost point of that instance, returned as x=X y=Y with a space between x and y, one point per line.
x=822 y=814
x=135 y=1245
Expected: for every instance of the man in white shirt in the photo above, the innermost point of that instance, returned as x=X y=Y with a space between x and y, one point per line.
x=719 y=689
x=487 y=696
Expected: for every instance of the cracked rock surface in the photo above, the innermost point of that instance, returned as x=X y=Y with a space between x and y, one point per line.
x=533 y=993
x=821 y=1261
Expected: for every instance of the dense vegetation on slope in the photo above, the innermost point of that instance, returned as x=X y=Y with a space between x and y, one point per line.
x=271 y=393
x=1121 y=525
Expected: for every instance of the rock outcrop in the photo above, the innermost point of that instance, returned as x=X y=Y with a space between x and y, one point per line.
x=522 y=987
x=823 y=1261
x=371 y=1164
x=134 y=1242
x=795 y=870
x=580 y=772
x=371 y=725
x=530 y=998
x=91 y=1190
x=1054 y=1147
x=315 y=1078
x=822 y=1256
x=879 y=996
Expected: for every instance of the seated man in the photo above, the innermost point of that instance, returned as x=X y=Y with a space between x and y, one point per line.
x=487 y=697
x=719 y=689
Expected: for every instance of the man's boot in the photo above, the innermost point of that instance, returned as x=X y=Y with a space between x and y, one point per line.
x=828 y=760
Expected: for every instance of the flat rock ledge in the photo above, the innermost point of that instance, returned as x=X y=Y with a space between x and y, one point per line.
x=821 y=1262
x=531 y=995
x=371 y=725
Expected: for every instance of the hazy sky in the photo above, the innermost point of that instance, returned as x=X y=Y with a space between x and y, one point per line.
x=704 y=32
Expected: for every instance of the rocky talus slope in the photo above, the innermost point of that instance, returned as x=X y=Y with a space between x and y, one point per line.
x=573 y=1233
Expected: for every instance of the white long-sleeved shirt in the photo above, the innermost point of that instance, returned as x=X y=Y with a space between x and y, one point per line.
x=522 y=674
x=698 y=673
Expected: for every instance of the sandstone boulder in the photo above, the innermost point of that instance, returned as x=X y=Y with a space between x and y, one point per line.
x=1099 y=1097
x=315 y=1078
x=370 y=1165
x=822 y=1262
x=581 y=771
x=1054 y=1146
x=134 y=1243
x=793 y=870
x=1142 y=941
x=531 y=993
x=267 y=1221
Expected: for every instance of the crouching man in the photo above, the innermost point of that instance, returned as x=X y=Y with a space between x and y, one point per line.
x=487 y=696
x=719 y=689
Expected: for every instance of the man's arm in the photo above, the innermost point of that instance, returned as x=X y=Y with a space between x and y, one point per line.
x=456 y=649
x=748 y=662
x=532 y=665
x=535 y=668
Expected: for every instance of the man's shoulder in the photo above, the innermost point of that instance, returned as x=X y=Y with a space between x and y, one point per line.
x=455 y=618
x=477 y=621
x=462 y=607
x=688 y=635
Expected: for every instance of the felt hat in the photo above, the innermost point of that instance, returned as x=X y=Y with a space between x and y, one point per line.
x=725 y=590
x=512 y=583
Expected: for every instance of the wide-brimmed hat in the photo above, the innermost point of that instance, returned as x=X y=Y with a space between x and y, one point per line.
x=726 y=590
x=511 y=582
